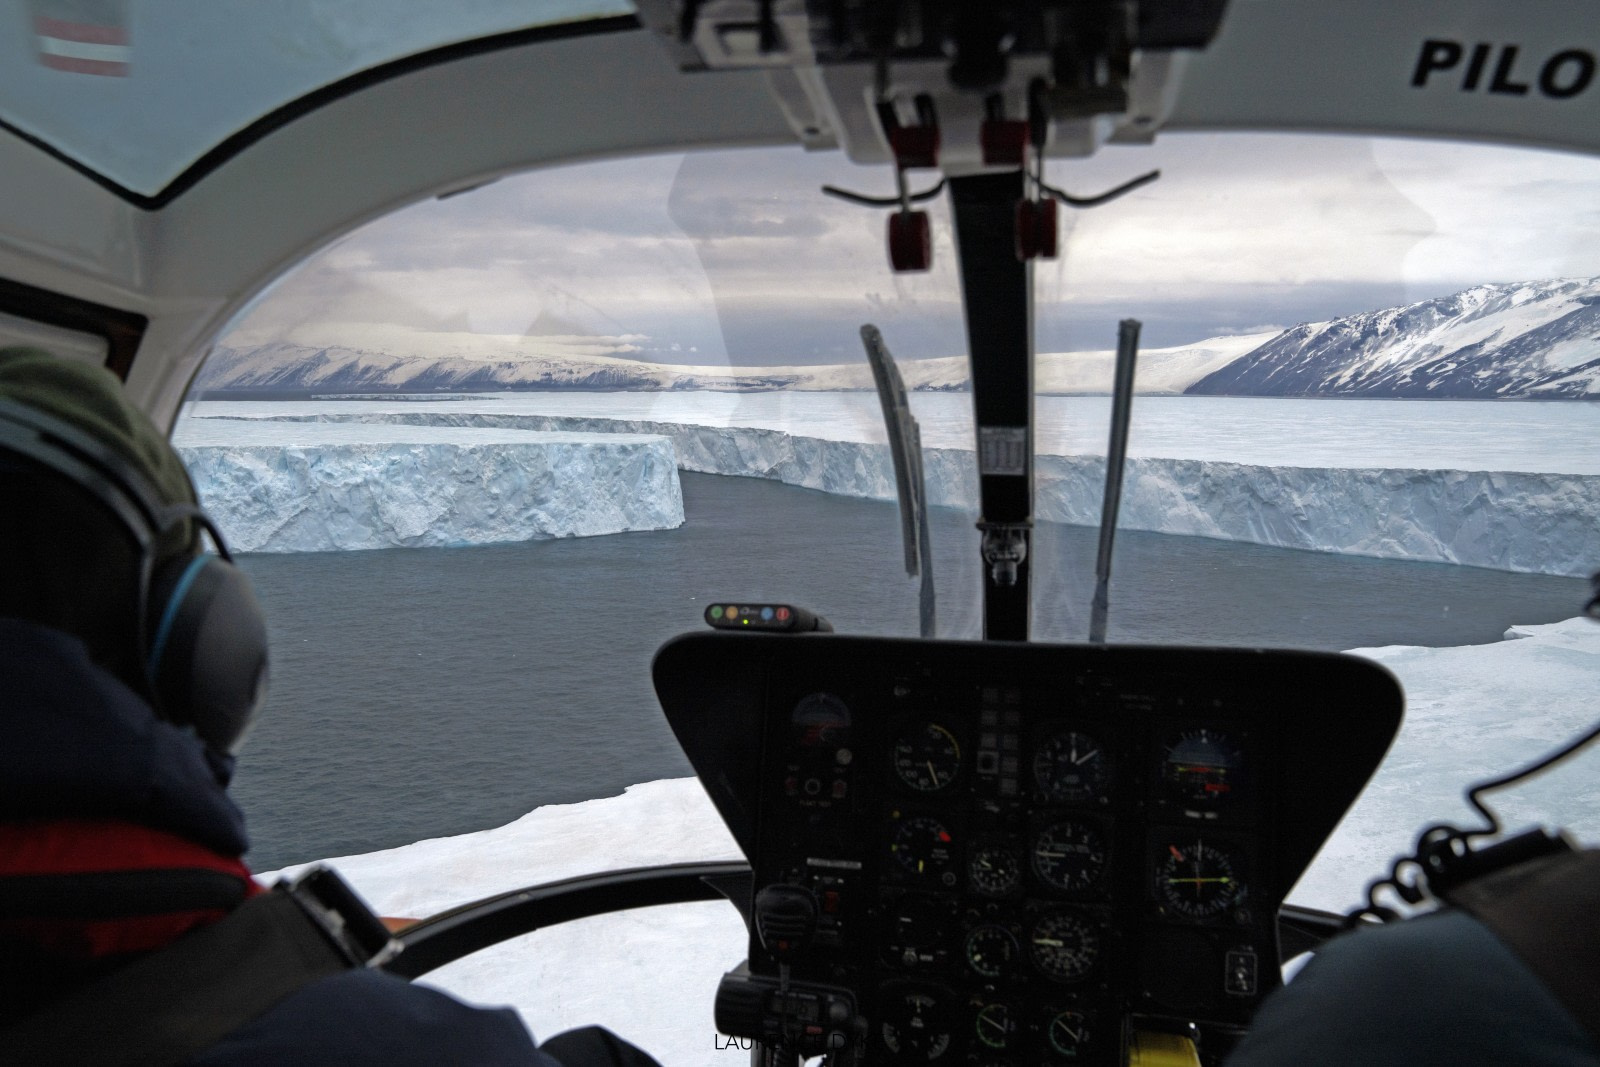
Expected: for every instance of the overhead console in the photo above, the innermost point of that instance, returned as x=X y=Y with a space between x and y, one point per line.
x=1009 y=854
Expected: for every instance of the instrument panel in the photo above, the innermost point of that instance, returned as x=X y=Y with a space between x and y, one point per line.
x=1018 y=854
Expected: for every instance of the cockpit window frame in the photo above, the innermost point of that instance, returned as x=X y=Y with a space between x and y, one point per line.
x=219 y=154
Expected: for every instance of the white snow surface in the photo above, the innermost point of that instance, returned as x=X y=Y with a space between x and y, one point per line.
x=1472 y=712
x=313 y=487
x=1518 y=520
x=411 y=359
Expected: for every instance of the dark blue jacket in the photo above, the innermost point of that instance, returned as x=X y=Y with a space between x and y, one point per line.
x=1440 y=989
x=79 y=744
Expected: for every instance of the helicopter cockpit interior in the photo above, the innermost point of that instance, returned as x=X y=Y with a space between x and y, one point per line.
x=992 y=853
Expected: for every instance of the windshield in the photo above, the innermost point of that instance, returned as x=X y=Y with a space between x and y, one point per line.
x=483 y=456
x=139 y=92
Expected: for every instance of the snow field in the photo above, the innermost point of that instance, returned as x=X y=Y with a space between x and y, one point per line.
x=651 y=975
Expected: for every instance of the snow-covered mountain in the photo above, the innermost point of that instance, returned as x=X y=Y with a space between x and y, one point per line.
x=425 y=363
x=1522 y=339
x=1508 y=340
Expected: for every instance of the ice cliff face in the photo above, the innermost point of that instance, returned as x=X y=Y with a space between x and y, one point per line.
x=1517 y=521
x=279 y=487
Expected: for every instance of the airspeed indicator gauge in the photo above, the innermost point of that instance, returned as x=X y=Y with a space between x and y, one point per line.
x=927 y=758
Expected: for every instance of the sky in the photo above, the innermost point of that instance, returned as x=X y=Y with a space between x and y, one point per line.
x=735 y=257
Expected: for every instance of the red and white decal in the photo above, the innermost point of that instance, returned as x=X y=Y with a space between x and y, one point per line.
x=82 y=47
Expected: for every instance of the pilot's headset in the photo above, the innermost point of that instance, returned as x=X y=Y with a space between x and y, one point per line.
x=202 y=639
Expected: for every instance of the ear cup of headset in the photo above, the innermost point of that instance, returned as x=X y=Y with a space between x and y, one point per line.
x=207 y=661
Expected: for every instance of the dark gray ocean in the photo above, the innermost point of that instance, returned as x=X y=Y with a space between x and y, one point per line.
x=425 y=692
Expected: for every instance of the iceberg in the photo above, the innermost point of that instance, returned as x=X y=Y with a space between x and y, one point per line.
x=281 y=487
x=1527 y=521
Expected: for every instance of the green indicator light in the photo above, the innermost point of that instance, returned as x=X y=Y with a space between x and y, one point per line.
x=716 y=611
x=745 y=621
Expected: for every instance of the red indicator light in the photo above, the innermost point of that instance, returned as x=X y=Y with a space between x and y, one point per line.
x=783 y=614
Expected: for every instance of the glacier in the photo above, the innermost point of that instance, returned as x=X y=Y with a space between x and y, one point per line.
x=278 y=487
x=1508 y=520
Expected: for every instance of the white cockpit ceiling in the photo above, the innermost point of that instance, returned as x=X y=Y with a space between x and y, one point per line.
x=138 y=92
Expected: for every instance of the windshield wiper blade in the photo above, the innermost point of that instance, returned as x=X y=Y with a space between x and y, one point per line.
x=1116 y=459
x=905 y=448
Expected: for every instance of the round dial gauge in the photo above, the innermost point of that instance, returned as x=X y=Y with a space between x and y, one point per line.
x=994 y=871
x=914 y=1030
x=991 y=950
x=1196 y=879
x=1068 y=1034
x=1064 y=946
x=1072 y=767
x=1070 y=856
x=1202 y=769
x=995 y=1025
x=927 y=758
x=921 y=847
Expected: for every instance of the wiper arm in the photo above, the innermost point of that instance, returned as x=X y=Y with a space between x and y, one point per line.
x=1116 y=459
x=905 y=447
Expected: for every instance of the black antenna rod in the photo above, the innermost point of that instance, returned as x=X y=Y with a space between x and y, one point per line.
x=1116 y=459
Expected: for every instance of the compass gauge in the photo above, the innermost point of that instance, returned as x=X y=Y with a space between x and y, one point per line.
x=1196 y=880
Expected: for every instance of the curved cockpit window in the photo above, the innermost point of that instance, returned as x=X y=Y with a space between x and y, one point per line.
x=483 y=456
x=136 y=93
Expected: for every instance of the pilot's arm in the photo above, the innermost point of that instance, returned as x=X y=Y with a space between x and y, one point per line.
x=1440 y=989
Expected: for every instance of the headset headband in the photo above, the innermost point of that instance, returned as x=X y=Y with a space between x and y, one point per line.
x=106 y=474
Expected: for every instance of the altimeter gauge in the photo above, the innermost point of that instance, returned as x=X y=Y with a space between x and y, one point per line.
x=1072 y=767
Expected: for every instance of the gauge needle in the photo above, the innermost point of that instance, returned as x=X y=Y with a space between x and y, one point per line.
x=1049 y=942
x=1175 y=853
x=1086 y=757
x=933 y=775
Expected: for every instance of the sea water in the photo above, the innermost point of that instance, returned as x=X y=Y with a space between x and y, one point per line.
x=424 y=692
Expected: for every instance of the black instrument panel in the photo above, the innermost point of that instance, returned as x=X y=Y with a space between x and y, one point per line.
x=1018 y=852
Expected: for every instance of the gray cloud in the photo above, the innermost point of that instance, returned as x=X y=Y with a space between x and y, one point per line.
x=736 y=256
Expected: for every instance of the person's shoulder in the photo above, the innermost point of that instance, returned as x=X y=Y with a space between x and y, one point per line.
x=363 y=1016
x=1439 y=989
